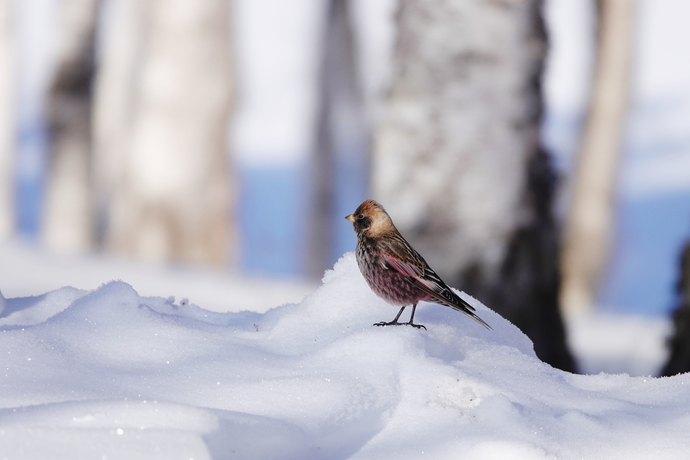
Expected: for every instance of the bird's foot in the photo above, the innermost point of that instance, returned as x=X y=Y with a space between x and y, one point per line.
x=395 y=323
x=391 y=323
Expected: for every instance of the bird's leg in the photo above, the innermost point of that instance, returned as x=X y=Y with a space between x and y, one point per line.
x=394 y=322
x=411 y=323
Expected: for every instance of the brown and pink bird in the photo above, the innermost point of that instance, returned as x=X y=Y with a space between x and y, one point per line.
x=394 y=270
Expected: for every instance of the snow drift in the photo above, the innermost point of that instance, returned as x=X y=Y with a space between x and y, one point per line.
x=110 y=374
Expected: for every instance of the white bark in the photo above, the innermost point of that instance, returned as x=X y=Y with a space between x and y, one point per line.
x=7 y=123
x=590 y=221
x=171 y=198
x=67 y=220
x=460 y=126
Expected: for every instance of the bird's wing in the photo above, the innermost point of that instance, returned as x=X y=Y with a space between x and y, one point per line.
x=427 y=280
x=424 y=278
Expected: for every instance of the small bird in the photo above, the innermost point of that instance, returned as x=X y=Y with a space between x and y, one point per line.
x=394 y=270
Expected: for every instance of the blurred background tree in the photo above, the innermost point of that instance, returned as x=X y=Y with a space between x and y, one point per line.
x=589 y=228
x=340 y=164
x=168 y=193
x=68 y=214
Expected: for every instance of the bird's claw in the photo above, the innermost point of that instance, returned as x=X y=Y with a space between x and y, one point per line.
x=395 y=323
x=383 y=323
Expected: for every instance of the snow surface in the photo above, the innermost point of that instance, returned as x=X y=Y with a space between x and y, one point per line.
x=111 y=374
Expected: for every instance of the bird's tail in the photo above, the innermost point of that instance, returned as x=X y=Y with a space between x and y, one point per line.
x=467 y=309
x=477 y=319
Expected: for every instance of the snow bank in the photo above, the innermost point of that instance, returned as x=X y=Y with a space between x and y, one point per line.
x=112 y=374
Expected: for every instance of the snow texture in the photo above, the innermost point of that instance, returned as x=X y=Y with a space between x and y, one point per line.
x=111 y=374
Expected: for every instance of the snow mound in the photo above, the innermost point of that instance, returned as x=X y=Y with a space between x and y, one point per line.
x=111 y=374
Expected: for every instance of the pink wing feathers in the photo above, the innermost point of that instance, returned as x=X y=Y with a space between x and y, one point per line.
x=429 y=282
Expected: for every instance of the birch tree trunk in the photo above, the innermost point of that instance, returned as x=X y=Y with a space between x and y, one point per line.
x=679 y=344
x=67 y=221
x=342 y=140
x=458 y=163
x=7 y=124
x=171 y=195
x=590 y=221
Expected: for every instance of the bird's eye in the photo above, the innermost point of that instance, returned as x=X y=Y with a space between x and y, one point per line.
x=360 y=217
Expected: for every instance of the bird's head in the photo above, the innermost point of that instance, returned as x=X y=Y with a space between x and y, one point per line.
x=370 y=219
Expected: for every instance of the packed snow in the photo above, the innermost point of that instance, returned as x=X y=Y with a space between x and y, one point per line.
x=111 y=374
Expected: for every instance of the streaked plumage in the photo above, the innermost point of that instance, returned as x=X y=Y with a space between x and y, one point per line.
x=394 y=270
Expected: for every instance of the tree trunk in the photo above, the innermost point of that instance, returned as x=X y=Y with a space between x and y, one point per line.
x=67 y=221
x=457 y=160
x=171 y=198
x=115 y=96
x=7 y=124
x=590 y=220
x=341 y=158
x=679 y=359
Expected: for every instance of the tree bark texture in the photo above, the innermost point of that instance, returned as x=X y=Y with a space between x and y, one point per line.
x=169 y=198
x=458 y=163
x=590 y=220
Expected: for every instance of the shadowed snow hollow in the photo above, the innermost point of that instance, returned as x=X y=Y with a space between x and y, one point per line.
x=111 y=374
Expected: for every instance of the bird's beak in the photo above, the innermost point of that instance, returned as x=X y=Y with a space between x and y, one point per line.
x=351 y=218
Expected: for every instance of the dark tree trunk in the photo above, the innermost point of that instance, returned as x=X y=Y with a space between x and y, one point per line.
x=679 y=361
x=527 y=290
